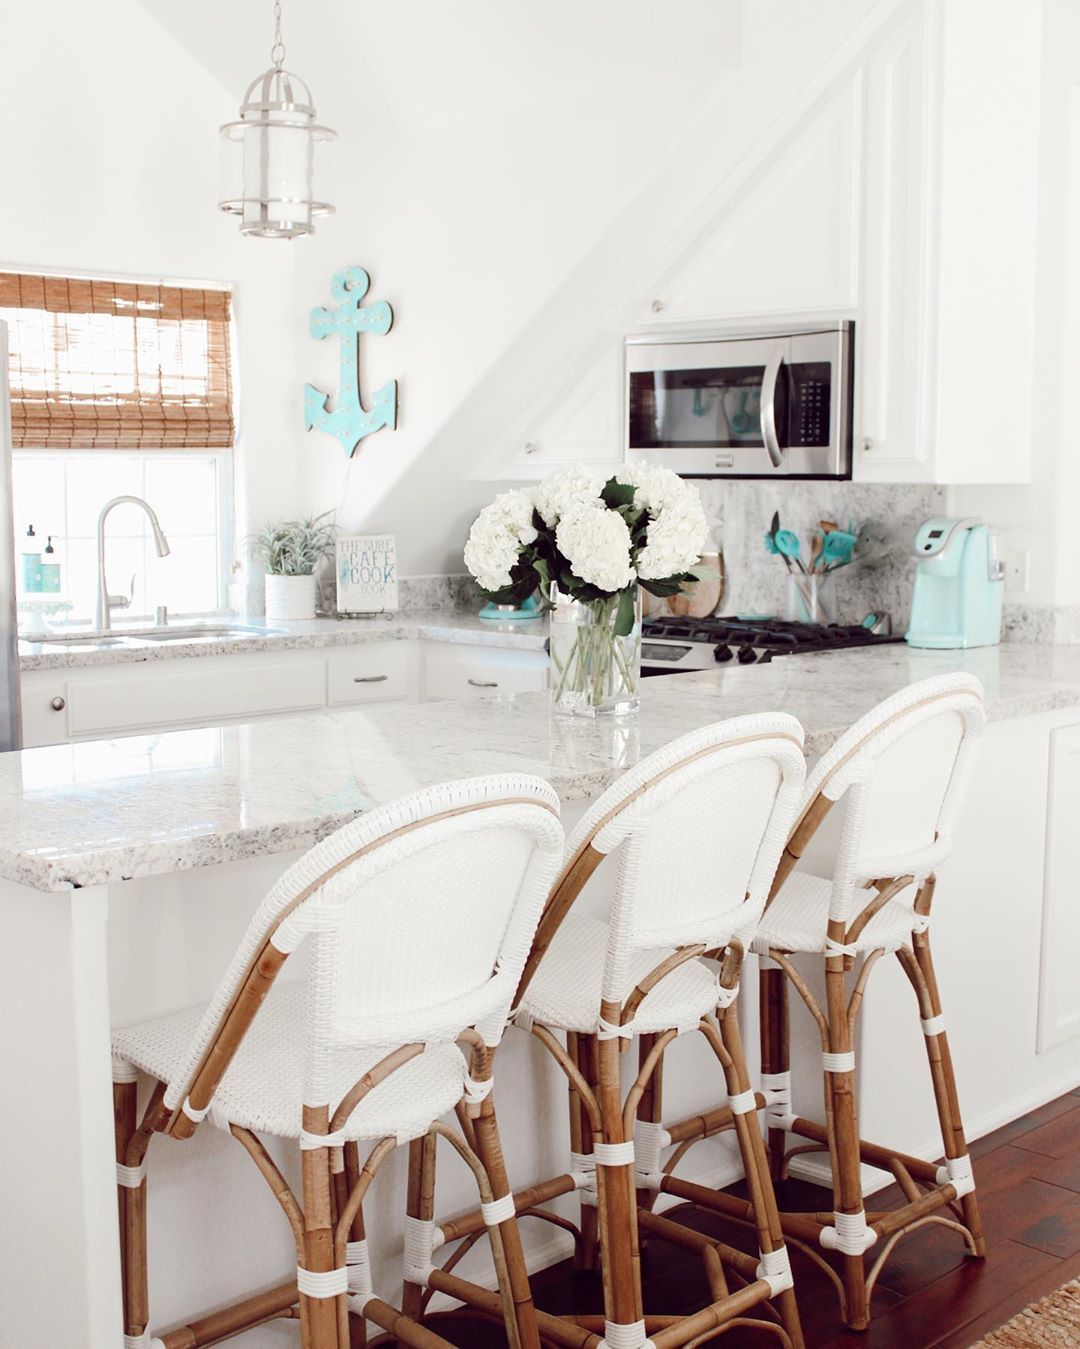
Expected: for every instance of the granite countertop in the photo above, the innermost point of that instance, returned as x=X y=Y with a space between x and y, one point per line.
x=108 y=810
x=442 y=625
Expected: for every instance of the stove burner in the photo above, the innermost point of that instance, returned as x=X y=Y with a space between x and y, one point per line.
x=750 y=639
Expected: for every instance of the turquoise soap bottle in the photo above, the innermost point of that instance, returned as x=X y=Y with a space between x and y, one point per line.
x=50 y=570
x=31 y=564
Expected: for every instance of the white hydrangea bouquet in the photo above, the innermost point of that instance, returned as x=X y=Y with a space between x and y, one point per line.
x=587 y=541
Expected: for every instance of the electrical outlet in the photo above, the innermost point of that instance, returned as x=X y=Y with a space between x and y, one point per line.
x=1016 y=571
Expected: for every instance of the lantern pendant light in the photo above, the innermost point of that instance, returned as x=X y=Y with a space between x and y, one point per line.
x=268 y=158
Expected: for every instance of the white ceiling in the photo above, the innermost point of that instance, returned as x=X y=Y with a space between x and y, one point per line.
x=403 y=67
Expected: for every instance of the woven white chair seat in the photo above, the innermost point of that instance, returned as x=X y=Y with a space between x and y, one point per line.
x=798 y=917
x=263 y=1087
x=565 y=992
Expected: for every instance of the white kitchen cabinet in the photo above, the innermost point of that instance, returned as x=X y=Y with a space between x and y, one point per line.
x=87 y=702
x=946 y=331
x=453 y=671
x=375 y=672
x=1059 y=986
x=108 y=701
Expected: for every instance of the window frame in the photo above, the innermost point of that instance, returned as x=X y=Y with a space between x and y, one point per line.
x=224 y=457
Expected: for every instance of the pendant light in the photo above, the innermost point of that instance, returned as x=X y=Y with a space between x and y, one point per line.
x=268 y=157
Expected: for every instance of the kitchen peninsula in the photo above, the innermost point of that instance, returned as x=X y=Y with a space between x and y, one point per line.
x=129 y=868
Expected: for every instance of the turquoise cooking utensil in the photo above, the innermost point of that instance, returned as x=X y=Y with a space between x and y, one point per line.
x=770 y=537
x=837 y=549
x=787 y=545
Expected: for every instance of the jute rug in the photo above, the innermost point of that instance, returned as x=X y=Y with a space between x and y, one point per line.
x=1051 y=1323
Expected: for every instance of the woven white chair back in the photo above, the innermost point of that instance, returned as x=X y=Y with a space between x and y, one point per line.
x=902 y=771
x=420 y=916
x=699 y=826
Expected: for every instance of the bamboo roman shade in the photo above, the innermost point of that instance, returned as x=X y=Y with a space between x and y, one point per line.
x=117 y=365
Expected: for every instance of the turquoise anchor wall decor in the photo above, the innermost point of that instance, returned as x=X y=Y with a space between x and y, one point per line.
x=350 y=421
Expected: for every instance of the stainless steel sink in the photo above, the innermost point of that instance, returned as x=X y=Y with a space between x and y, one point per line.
x=83 y=639
x=179 y=633
x=221 y=631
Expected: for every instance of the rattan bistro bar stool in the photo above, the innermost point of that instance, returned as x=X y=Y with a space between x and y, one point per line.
x=900 y=773
x=698 y=828
x=419 y=917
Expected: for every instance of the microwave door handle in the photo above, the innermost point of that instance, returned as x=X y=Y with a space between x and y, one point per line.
x=768 y=407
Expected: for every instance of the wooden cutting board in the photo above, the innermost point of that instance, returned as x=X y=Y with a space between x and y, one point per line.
x=699 y=599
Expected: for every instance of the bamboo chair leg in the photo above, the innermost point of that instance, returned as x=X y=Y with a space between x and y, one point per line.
x=616 y=1195
x=319 y=1316
x=489 y=1151
x=945 y=1093
x=845 y=1155
x=756 y=1165
x=650 y=1108
x=133 y=1277
x=775 y=1051
x=582 y=1049
x=357 y=1324
x=420 y=1203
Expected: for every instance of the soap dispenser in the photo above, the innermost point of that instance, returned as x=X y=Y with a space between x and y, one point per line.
x=31 y=564
x=50 y=570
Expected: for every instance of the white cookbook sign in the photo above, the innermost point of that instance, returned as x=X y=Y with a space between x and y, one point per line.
x=367 y=574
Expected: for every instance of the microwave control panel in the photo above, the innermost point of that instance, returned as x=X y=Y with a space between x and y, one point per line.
x=810 y=407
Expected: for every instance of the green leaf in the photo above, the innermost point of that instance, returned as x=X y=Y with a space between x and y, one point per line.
x=616 y=494
x=669 y=586
x=624 y=617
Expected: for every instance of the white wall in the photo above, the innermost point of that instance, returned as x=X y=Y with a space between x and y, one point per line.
x=471 y=216
x=109 y=165
x=507 y=252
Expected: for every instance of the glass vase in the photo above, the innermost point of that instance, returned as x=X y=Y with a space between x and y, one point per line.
x=594 y=673
x=809 y=599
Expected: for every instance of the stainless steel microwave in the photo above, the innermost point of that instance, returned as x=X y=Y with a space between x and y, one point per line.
x=772 y=402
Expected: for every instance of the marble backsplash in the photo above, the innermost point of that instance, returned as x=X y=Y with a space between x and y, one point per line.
x=739 y=513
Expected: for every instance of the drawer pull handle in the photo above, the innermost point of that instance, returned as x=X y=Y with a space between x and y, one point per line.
x=369 y=679
x=484 y=683
x=58 y=704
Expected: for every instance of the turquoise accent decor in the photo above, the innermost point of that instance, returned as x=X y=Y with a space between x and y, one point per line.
x=350 y=421
x=528 y=609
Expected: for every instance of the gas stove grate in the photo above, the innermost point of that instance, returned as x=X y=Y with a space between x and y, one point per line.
x=772 y=634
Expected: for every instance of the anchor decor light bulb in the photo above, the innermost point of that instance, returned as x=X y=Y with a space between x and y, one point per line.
x=268 y=157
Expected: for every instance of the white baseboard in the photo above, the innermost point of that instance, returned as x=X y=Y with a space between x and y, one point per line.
x=816 y=1168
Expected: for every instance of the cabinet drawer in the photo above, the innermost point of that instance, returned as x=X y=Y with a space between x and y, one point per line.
x=473 y=672
x=370 y=674
x=145 y=698
x=44 y=709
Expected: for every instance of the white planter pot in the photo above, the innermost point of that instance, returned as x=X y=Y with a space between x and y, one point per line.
x=290 y=597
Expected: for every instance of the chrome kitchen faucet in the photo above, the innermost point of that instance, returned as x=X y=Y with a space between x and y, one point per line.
x=106 y=602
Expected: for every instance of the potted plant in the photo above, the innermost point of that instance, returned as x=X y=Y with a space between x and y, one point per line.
x=587 y=542
x=291 y=551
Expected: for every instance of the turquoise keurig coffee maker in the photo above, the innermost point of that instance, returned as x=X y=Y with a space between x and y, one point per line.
x=959 y=586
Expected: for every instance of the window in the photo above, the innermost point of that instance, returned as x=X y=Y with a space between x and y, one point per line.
x=122 y=387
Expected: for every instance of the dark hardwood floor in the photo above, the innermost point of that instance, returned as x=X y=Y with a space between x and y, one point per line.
x=930 y=1296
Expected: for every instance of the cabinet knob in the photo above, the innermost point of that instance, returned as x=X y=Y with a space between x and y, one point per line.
x=58 y=704
x=657 y=306
x=530 y=447
x=868 y=442
x=484 y=683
